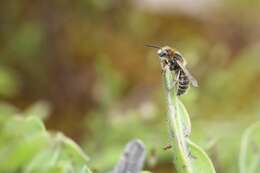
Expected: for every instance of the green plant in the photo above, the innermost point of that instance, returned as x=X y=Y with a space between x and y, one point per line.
x=187 y=156
x=27 y=147
x=249 y=159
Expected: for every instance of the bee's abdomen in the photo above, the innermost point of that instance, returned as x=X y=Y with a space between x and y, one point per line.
x=183 y=83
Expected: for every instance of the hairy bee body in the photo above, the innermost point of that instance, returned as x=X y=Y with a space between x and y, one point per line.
x=183 y=83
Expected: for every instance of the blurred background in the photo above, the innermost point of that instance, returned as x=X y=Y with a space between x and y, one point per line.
x=84 y=67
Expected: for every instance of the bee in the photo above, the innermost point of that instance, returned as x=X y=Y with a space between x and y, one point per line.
x=176 y=63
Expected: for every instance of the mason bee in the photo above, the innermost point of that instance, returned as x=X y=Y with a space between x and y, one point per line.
x=176 y=63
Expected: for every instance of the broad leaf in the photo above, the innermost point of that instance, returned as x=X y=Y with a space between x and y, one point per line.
x=249 y=159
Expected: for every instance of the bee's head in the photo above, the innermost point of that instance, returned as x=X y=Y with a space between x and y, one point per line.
x=165 y=52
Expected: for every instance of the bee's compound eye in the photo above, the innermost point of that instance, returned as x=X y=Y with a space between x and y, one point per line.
x=161 y=53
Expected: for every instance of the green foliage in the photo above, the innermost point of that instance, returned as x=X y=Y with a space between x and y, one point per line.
x=27 y=40
x=110 y=83
x=26 y=147
x=9 y=84
x=39 y=109
x=249 y=159
x=201 y=163
x=188 y=157
x=104 y=155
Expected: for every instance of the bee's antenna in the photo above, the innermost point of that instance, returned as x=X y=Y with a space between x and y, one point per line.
x=153 y=46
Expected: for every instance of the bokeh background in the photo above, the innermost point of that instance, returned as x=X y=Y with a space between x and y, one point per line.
x=82 y=65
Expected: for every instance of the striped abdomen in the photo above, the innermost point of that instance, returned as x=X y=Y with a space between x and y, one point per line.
x=183 y=83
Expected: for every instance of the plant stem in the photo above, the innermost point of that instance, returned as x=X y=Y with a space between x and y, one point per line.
x=180 y=150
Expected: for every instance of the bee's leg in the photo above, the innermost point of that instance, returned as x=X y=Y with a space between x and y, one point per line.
x=175 y=82
x=163 y=66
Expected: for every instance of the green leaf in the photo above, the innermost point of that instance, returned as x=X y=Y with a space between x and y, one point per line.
x=20 y=126
x=201 y=163
x=27 y=147
x=185 y=118
x=49 y=157
x=21 y=139
x=249 y=159
x=6 y=110
x=188 y=157
x=71 y=150
x=85 y=169
x=20 y=153
x=39 y=109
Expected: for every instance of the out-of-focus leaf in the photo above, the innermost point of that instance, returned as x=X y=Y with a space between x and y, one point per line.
x=22 y=139
x=132 y=158
x=49 y=157
x=85 y=169
x=70 y=149
x=25 y=145
x=9 y=84
x=39 y=109
x=20 y=153
x=6 y=110
x=22 y=127
x=201 y=163
x=249 y=159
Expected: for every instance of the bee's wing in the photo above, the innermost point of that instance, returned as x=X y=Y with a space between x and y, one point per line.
x=191 y=78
